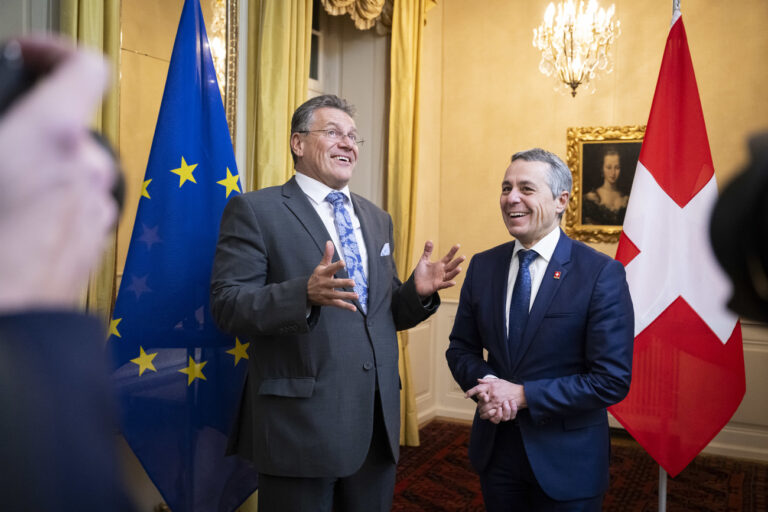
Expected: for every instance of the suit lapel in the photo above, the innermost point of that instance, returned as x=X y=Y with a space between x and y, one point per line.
x=296 y=201
x=499 y=283
x=367 y=225
x=547 y=290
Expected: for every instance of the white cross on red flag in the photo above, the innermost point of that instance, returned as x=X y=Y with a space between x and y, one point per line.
x=688 y=371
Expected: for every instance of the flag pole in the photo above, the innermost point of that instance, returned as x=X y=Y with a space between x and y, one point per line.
x=662 y=472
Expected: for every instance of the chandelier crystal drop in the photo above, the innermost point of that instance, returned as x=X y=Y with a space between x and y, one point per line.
x=575 y=41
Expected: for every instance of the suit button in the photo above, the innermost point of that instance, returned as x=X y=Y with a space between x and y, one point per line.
x=367 y=366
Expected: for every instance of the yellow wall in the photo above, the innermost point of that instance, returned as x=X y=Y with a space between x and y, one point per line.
x=427 y=186
x=484 y=94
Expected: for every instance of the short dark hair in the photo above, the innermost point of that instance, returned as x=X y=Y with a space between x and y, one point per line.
x=302 y=117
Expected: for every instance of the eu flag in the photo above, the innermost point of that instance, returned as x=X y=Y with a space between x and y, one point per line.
x=179 y=378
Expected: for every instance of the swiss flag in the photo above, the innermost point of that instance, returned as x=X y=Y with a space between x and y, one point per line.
x=688 y=373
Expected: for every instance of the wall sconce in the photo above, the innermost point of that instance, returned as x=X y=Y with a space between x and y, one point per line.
x=575 y=42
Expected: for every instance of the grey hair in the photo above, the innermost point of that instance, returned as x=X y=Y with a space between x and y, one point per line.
x=559 y=176
x=302 y=117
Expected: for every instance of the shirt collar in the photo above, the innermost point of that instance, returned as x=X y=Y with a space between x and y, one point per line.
x=544 y=247
x=316 y=190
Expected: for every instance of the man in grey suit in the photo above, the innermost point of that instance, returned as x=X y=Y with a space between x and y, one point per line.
x=304 y=272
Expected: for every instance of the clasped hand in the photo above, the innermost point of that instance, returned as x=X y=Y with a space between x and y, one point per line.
x=497 y=399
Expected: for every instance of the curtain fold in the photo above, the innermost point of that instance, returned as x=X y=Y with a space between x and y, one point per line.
x=408 y=20
x=279 y=38
x=96 y=24
x=363 y=12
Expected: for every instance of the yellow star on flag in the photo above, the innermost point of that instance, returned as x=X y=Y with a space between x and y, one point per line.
x=144 y=361
x=194 y=371
x=231 y=182
x=239 y=351
x=185 y=172
x=144 y=191
x=113 y=327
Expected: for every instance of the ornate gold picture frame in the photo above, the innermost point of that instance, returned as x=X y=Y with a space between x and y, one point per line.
x=602 y=160
x=223 y=34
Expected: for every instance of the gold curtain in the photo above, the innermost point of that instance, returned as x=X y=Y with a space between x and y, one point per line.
x=279 y=35
x=408 y=19
x=363 y=12
x=96 y=24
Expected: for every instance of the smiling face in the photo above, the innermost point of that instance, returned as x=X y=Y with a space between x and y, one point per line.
x=318 y=156
x=527 y=206
x=611 y=168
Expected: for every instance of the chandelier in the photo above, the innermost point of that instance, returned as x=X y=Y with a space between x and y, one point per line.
x=575 y=42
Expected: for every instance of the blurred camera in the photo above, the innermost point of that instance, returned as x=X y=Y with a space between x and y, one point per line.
x=16 y=78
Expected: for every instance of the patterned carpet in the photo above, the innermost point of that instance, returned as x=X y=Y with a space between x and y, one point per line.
x=436 y=476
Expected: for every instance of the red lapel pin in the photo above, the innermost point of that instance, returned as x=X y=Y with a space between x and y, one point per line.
x=557 y=274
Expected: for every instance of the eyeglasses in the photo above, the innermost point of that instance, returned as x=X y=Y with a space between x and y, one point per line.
x=338 y=136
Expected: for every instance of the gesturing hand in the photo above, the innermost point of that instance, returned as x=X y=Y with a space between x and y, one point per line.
x=323 y=288
x=431 y=276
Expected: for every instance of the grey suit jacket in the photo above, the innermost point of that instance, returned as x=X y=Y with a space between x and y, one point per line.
x=308 y=404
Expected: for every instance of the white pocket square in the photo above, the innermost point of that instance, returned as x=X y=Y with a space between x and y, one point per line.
x=385 y=250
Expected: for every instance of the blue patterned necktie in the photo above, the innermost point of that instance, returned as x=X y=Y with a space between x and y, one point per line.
x=521 y=300
x=349 y=247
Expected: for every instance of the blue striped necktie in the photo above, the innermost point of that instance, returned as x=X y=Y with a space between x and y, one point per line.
x=521 y=300
x=349 y=248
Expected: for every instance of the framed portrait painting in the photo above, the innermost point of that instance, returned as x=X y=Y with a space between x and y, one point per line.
x=602 y=162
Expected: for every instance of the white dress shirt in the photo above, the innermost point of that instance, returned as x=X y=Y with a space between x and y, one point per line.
x=545 y=248
x=316 y=193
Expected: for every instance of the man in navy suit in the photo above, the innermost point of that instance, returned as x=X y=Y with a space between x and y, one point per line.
x=540 y=437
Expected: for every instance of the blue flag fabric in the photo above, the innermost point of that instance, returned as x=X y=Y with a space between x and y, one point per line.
x=179 y=379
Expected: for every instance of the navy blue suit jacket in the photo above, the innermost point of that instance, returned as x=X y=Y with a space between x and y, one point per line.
x=575 y=360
